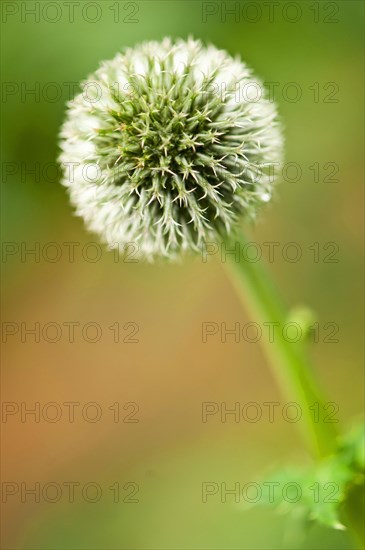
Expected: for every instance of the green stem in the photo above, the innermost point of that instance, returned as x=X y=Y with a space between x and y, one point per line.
x=289 y=360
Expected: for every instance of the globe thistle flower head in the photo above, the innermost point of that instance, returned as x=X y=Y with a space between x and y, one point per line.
x=168 y=148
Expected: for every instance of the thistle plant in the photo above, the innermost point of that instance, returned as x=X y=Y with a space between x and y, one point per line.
x=171 y=145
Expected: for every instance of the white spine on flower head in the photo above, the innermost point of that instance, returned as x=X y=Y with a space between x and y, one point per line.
x=168 y=146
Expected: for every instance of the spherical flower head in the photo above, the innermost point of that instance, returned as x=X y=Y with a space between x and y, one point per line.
x=168 y=146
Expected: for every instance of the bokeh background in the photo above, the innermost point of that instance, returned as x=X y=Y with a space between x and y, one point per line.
x=169 y=372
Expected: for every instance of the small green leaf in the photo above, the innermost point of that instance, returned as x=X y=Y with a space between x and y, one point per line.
x=319 y=493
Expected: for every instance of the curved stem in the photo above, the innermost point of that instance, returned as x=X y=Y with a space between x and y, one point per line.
x=289 y=360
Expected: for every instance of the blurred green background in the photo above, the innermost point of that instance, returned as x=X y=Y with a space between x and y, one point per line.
x=170 y=452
